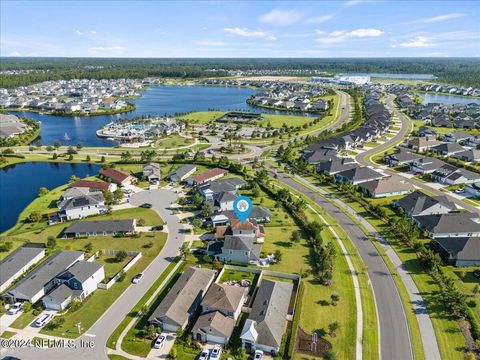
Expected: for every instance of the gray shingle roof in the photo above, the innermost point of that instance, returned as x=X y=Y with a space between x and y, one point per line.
x=460 y=248
x=224 y=297
x=81 y=270
x=182 y=171
x=16 y=261
x=417 y=201
x=216 y=321
x=100 y=226
x=449 y=223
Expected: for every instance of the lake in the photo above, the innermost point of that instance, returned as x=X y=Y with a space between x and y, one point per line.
x=447 y=99
x=157 y=100
x=19 y=185
x=395 y=76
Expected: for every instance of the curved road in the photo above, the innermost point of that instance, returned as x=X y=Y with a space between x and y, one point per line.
x=394 y=332
x=101 y=330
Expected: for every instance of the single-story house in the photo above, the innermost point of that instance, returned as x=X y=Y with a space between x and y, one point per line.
x=425 y=165
x=463 y=251
x=151 y=172
x=210 y=175
x=42 y=279
x=423 y=143
x=448 y=149
x=401 y=157
x=358 y=175
x=461 y=224
x=418 y=203
x=213 y=328
x=267 y=320
x=100 y=228
x=117 y=177
x=94 y=185
x=335 y=166
x=457 y=136
x=182 y=173
x=385 y=187
x=183 y=299
x=17 y=263
x=469 y=155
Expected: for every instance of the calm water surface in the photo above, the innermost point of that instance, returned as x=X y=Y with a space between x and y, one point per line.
x=19 y=185
x=447 y=99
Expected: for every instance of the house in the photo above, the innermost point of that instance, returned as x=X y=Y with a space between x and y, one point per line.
x=248 y=228
x=335 y=166
x=267 y=320
x=425 y=165
x=100 y=228
x=42 y=279
x=418 y=203
x=320 y=155
x=358 y=175
x=223 y=201
x=389 y=186
x=401 y=157
x=210 y=175
x=182 y=173
x=151 y=172
x=227 y=299
x=239 y=249
x=17 y=263
x=93 y=185
x=457 y=136
x=461 y=224
x=183 y=299
x=451 y=175
x=77 y=282
x=463 y=251
x=78 y=203
x=422 y=143
x=448 y=149
x=468 y=155
x=473 y=189
x=257 y=215
x=213 y=328
x=221 y=307
x=117 y=177
x=228 y=185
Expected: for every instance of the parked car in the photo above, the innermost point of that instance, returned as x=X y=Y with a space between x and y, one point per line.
x=146 y=206
x=476 y=273
x=203 y=355
x=15 y=308
x=43 y=320
x=159 y=342
x=136 y=279
x=216 y=353
x=258 y=355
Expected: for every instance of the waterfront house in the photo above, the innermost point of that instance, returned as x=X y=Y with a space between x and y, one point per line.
x=100 y=228
x=118 y=177
x=79 y=203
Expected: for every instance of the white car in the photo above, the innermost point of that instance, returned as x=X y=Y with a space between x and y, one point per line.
x=43 y=320
x=203 y=355
x=216 y=353
x=15 y=308
x=136 y=279
x=159 y=342
x=258 y=355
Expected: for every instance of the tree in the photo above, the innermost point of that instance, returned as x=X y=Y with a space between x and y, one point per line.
x=88 y=247
x=51 y=242
x=197 y=222
x=70 y=157
x=184 y=251
x=88 y=158
x=42 y=191
x=120 y=256
x=173 y=353
x=296 y=236
x=335 y=298
x=141 y=222
x=27 y=306
x=333 y=328
x=54 y=156
x=216 y=264
x=5 y=245
x=476 y=289
x=329 y=355
x=57 y=144
x=121 y=276
x=108 y=196
x=79 y=146
x=278 y=255
x=118 y=195
x=34 y=216
x=206 y=210
x=102 y=160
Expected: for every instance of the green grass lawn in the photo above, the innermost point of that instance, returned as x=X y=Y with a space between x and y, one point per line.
x=23 y=320
x=202 y=117
x=173 y=141
x=8 y=334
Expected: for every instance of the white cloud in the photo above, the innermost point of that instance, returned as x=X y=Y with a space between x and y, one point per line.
x=351 y=3
x=14 y=53
x=78 y=32
x=320 y=19
x=281 y=17
x=249 y=33
x=439 y=18
x=93 y=32
x=339 y=36
x=210 y=43
x=417 y=42
x=107 y=50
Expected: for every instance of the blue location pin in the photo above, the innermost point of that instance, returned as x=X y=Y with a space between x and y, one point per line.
x=242 y=207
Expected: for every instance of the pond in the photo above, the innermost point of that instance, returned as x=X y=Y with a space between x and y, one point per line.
x=157 y=100
x=447 y=99
x=395 y=76
x=19 y=185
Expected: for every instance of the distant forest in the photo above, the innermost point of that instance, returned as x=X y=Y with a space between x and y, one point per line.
x=458 y=71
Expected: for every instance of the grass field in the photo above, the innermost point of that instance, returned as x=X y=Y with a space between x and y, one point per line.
x=173 y=141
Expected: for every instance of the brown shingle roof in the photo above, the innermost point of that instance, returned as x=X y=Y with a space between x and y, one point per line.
x=224 y=297
x=209 y=174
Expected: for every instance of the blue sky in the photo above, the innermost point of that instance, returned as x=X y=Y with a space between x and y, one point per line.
x=240 y=29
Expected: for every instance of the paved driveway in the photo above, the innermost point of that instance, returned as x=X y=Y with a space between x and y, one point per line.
x=163 y=352
x=101 y=330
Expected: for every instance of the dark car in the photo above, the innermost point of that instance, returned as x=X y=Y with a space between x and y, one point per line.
x=476 y=273
x=146 y=206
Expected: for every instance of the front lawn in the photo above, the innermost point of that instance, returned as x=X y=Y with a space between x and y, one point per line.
x=173 y=141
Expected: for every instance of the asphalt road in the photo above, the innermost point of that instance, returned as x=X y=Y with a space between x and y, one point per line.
x=362 y=159
x=101 y=330
x=394 y=331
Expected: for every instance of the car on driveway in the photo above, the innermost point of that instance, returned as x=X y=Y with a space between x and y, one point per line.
x=43 y=320
x=136 y=279
x=203 y=355
x=159 y=342
x=476 y=273
x=15 y=308
x=146 y=206
x=216 y=353
x=258 y=355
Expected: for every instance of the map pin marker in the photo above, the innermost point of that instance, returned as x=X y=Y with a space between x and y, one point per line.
x=242 y=207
